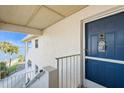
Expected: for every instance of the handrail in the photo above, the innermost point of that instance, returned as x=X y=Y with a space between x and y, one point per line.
x=35 y=78
x=68 y=56
x=68 y=70
x=17 y=80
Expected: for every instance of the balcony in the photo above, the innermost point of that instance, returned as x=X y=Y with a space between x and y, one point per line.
x=69 y=71
x=18 y=80
x=67 y=75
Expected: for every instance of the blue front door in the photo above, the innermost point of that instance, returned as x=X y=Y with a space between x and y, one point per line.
x=105 y=39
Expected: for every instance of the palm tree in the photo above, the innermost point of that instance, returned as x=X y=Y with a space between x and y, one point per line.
x=7 y=47
x=2 y=45
x=12 y=50
x=20 y=58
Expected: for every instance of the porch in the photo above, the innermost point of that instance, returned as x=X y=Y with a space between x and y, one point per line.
x=57 y=31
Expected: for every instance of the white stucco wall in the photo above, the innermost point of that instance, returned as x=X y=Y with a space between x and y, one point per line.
x=63 y=38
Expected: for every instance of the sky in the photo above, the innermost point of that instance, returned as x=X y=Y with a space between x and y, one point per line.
x=14 y=38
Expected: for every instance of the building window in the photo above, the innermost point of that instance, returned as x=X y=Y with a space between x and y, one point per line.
x=36 y=43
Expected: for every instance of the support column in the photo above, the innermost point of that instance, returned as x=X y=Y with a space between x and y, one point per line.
x=26 y=58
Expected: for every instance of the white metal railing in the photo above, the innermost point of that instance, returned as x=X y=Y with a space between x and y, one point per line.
x=17 y=80
x=37 y=77
x=69 y=71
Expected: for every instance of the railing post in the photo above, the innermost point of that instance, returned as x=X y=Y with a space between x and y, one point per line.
x=62 y=72
x=74 y=70
x=66 y=72
x=70 y=72
x=57 y=71
x=3 y=83
x=77 y=63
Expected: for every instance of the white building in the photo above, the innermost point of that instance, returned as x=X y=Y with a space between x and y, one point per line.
x=62 y=36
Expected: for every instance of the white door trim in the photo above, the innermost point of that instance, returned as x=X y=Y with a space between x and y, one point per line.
x=109 y=12
x=105 y=60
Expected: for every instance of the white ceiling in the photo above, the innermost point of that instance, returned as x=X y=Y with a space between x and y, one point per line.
x=36 y=16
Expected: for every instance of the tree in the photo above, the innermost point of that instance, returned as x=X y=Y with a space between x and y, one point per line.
x=12 y=50
x=9 y=48
x=20 y=58
x=3 y=66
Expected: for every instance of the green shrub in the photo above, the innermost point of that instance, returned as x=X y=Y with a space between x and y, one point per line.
x=3 y=70
x=3 y=66
x=3 y=74
x=12 y=69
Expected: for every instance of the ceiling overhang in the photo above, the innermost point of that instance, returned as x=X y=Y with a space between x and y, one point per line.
x=18 y=28
x=33 y=19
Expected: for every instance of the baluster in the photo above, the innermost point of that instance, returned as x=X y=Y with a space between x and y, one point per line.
x=62 y=72
x=74 y=69
x=11 y=81
x=7 y=82
x=58 y=70
x=70 y=72
x=66 y=72
x=3 y=83
x=15 y=81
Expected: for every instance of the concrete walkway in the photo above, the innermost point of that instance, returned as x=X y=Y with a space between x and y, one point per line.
x=16 y=80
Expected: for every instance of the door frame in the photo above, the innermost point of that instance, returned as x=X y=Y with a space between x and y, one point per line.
x=112 y=11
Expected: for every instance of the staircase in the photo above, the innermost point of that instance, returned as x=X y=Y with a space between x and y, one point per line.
x=20 y=67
